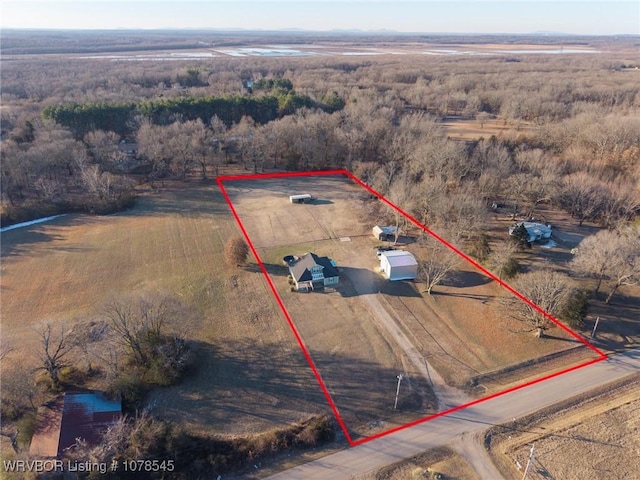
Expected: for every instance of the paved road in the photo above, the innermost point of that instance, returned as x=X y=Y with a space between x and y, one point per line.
x=378 y=453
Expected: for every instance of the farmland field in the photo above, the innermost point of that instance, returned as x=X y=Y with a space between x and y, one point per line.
x=578 y=439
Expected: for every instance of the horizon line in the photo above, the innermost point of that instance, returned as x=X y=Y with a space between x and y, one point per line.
x=293 y=31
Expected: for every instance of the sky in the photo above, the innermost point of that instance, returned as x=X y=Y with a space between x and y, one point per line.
x=591 y=17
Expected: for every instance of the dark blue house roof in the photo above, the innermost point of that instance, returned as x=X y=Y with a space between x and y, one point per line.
x=301 y=270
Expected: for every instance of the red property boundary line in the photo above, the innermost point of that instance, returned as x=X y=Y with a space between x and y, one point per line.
x=305 y=351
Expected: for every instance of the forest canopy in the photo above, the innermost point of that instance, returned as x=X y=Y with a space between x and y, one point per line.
x=119 y=117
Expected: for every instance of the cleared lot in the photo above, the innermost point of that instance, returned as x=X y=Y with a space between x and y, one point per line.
x=357 y=358
x=459 y=330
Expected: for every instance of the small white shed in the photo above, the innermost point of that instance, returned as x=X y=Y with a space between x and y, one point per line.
x=383 y=233
x=398 y=265
x=304 y=198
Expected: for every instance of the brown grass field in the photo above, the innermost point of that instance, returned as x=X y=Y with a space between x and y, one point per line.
x=459 y=330
x=472 y=129
x=596 y=437
x=443 y=460
x=251 y=374
x=64 y=271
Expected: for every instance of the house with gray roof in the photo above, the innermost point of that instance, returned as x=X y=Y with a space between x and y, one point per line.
x=536 y=232
x=311 y=272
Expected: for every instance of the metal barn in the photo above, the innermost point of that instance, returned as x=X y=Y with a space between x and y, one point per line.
x=398 y=265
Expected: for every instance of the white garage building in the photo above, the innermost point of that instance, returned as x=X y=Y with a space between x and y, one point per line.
x=398 y=265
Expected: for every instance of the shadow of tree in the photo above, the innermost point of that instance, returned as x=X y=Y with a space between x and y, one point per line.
x=405 y=288
x=465 y=279
x=250 y=382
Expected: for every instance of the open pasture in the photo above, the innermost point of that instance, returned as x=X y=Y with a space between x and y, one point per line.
x=249 y=373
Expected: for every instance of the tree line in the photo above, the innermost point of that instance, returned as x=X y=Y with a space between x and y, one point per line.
x=121 y=117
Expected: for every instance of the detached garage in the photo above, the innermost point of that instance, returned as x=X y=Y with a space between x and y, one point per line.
x=398 y=265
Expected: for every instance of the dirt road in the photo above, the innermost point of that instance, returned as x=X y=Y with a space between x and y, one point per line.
x=471 y=447
x=368 y=287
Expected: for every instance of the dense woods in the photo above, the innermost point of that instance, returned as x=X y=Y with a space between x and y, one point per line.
x=572 y=137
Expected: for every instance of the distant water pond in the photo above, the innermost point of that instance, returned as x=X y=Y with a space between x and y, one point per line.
x=540 y=51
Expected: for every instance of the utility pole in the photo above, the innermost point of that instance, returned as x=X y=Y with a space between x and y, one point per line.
x=593 y=333
x=399 y=377
x=526 y=470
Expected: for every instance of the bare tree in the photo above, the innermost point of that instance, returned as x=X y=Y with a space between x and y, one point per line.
x=152 y=330
x=152 y=145
x=583 y=196
x=594 y=256
x=53 y=350
x=243 y=134
x=619 y=204
x=19 y=391
x=551 y=292
x=610 y=255
x=625 y=266
x=90 y=339
x=502 y=259
x=400 y=194
x=104 y=148
x=236 y=251
x=140 y=324
x=437 y=261
x=182 y=147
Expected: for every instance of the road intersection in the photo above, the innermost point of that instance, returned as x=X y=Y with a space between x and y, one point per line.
x=472 y=420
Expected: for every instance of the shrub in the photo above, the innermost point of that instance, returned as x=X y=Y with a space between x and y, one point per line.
x=26 y=426
x=480 y=248
x=520 y=237
x=128 y=387
x=71 y=376
x=576 y=309
x=236 y=251
x=510 y=269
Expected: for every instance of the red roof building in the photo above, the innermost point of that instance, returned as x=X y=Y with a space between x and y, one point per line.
x=73 y=415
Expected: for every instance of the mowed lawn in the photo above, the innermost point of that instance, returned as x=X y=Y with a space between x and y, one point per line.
x=249 y=372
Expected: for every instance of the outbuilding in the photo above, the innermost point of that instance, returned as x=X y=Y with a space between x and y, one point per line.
x=303 y=198
x=384 y=233
x=398 y=265
x=73 y=415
